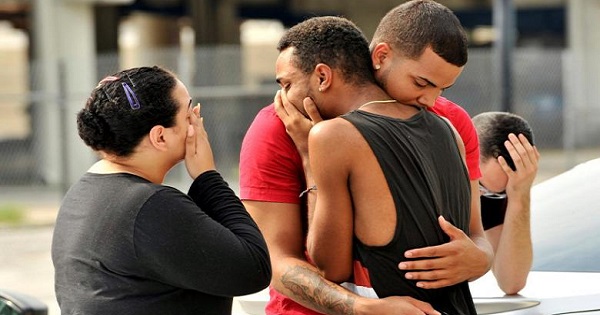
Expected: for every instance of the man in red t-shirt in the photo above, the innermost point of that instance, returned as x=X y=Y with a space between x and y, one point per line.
x=273 y=174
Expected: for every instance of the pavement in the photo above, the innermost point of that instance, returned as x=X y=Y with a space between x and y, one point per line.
x=25 y=249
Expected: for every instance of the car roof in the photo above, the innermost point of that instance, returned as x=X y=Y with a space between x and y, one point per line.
x=565 y=220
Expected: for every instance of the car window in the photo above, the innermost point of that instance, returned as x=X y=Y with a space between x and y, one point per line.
x=7 y=308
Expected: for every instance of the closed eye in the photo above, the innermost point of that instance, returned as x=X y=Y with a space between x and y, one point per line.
x=420 y=85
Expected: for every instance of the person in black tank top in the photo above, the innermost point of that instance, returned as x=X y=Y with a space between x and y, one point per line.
x=424 y=185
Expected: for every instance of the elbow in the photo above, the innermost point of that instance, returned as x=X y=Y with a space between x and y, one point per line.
x=334 y=274
x=257 y=281
x=513 y=287
x=264 y=275
x=330 y=270
x=333 y=264
x=262 y=282
x=257 y=278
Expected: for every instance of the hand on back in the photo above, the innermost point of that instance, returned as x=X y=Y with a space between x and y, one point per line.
x=526 y=157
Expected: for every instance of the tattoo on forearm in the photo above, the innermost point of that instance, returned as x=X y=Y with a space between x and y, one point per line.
x=308 y=287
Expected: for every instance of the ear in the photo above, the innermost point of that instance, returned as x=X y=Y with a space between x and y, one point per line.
x=381 y=52
x=156 y=137
x=324 y=76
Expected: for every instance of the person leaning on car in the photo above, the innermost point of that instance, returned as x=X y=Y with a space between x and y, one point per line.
x=509 y=164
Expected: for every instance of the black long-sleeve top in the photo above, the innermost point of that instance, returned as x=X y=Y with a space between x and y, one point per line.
x=123 y=245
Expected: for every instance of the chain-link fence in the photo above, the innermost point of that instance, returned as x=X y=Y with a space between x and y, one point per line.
x=229 y=105
x=537 y=90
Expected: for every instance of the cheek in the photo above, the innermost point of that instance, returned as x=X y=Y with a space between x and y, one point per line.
x=402 y=91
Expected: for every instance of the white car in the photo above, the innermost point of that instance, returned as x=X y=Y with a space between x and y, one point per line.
x=16 y=303
x=565 y=278
x=565 y=230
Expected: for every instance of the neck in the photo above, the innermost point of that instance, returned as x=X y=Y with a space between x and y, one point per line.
x=113 y=165
x=370 y=95
x=354 y=96
x=376 y=102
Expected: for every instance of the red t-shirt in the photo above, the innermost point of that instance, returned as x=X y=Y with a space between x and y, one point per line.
x=271 y=170
x=270 y=166
x=461 y=121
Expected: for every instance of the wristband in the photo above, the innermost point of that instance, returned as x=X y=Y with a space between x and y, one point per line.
x=307 y=190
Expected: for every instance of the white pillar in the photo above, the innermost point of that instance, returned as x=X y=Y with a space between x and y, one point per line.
x=65 y=48
x=582 y=73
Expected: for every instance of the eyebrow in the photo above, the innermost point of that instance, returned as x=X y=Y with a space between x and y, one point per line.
x=433 y=84
x=428 y=82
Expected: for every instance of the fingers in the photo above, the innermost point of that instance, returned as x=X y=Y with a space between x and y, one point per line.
x=278 y=104
x=311 y=109
x=424 y=307
x=291 y=109
x=284 y=108
x=429 y=274
x=440 y=250
x=450 y=230
x=524 y=155
x=198 y=153
x=434 y=284
x=196 y=109
x=517 y=151
x=194 y=129
x=455 y=234
x=521 y=151
x=197 y=120
x=190 y=141
x=438 y=266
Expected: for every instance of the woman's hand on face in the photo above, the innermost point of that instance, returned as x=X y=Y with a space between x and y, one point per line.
x=198 y=153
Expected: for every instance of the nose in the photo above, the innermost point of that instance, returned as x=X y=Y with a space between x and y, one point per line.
x=428 y=97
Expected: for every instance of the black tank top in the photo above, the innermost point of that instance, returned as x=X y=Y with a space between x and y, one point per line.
x=427 y=178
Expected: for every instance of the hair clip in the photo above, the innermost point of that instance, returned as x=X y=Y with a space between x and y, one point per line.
x=131 y=97
x=129 y=78
x=101 y=86
x=107 y=96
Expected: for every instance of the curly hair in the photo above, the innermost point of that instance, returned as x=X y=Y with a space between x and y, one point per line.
x=493 y=129
x=334 y=41
x=112 y=122
x=415 y=25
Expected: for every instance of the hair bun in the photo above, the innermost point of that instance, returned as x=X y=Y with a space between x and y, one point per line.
x=93 y=129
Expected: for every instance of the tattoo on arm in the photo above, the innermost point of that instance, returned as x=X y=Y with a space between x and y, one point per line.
x=308 y=287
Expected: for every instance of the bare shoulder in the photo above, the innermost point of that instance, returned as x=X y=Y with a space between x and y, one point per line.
x=336 y=128
x=335 y=139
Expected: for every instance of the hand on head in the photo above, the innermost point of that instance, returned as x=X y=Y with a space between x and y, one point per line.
x=525 y=157
x=198 y=153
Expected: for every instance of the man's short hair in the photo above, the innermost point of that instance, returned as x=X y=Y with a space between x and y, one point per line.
x=334 y=41
x=415 y=25
x=493 y=129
